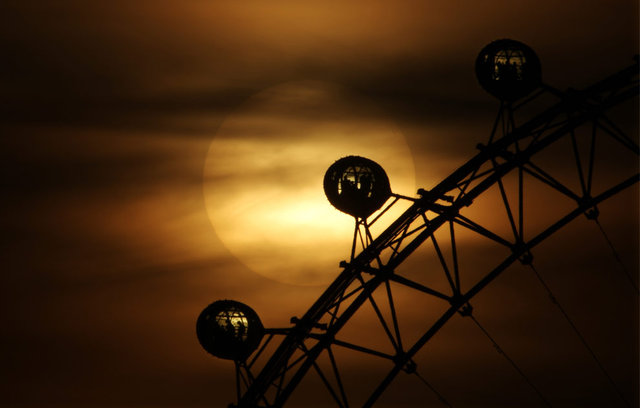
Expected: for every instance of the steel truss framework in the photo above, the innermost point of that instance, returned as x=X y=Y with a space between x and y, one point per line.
x=511 y=150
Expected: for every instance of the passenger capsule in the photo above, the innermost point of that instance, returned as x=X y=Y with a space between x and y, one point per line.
x=508 y=69
x=356 y=186
x=230 y=330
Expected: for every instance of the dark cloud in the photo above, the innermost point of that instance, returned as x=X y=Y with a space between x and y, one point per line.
x=122 y=64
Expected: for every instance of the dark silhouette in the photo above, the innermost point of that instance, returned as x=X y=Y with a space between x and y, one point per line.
x=508 y=69
x=230 y=330
x=356 y=186
x=359 y=186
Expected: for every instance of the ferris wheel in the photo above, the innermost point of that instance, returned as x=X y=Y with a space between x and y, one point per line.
x=503 y=177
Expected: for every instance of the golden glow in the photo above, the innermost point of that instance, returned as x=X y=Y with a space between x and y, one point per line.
x=508 y=64
x=234 y=322
x=264 y=171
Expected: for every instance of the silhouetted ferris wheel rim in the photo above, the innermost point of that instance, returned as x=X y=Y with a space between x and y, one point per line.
x=439 y=208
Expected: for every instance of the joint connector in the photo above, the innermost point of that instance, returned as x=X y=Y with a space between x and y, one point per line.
x=410 y=367
x=526 y=258
x=466 y=310
x=465 y=200
x=592 y=213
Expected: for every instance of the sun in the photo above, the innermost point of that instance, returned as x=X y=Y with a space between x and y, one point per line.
x=264 y=171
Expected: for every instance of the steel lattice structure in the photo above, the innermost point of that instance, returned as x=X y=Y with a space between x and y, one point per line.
x=510 y=152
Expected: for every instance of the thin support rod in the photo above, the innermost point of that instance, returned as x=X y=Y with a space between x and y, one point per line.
x=369 y=241
x=520 y=237
x=417 y=286
x=474 y=176
x=395 y=200
x=355 y=240
x=580 y=336
x=395 y=244
x=620 y=136
x=336 y=309
x=381 y=318
x=501 y=351
x=280 y=383
x=407 y=233
x=576 y=154
x=507 y=207
x=444 y=263
x=362 y=239
x=336 y=342
x=499 y=119
x=547 y=179
x=336 y=372
x=491 y=136
x=344 y=297
x=454 y=255
x=238 y=391
x=440 y=397
x=475 y=227
x=326 y=383
x=520 y=202
x=615 y=254
x=394 y=316
x=592 y=152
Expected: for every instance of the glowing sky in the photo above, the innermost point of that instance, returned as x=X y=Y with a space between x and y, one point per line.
x=119 y=128
x=263 y=178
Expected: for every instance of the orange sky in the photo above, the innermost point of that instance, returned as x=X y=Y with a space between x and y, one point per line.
x=108 y=253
